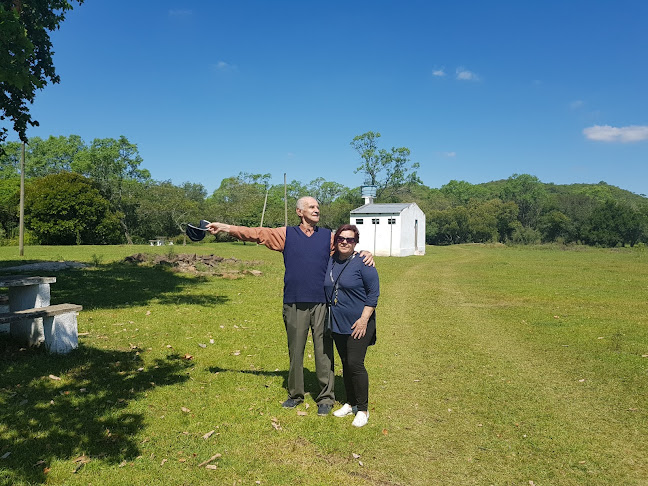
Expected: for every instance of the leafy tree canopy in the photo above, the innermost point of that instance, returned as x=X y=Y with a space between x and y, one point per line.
x=26 y=63
x=388 y=170
x=68 y=209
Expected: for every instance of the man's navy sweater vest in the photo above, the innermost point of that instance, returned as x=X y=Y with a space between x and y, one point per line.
x=305 y=259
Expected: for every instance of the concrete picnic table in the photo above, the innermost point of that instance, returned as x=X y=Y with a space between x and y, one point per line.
x=27 y=293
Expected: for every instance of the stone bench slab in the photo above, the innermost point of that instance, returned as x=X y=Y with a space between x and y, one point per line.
x=49 y=311
x=59 y=328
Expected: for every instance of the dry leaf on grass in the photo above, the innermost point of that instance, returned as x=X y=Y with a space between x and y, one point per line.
x=204 y=463
x=148 y=313
x=208 y=434
x=54 y=377
x=385 y=432
x=355 y=456
x=301 y=413
x=163 y=461
x=187 y=357
x=81 y=461
x=185 y=410
x=275 y=423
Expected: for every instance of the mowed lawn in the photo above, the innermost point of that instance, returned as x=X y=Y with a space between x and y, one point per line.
x=494 y=365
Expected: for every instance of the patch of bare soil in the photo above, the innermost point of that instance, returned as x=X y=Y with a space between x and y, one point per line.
x=230 y=268
x=45 y=267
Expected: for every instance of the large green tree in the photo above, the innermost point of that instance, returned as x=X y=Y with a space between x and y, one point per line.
x=613 y=223
x=9 y=199
x=42 y=156
x=26 y=63
x=388 y=170
x=68 y=209
x=529 y=194
x=164 y=209
x=114 y=166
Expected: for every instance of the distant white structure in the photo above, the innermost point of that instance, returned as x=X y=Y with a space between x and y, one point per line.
x=393 y=229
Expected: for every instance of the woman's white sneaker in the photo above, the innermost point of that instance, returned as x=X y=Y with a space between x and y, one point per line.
x=345 y=410
x=360 y=419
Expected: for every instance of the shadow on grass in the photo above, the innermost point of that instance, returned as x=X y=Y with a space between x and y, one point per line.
x=43 y=419
x=311 y=384
x=118 y=285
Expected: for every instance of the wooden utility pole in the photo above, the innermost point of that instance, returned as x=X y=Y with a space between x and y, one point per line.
x=21 y=222
x=285 y=201
x=265 y=203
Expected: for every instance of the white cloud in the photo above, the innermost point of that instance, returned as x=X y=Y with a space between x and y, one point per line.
x=606 y=133
x=180 y=13
x=439 y=73
x=465 y=75
x=223 y=66
x=575 y=105
x=450 y=154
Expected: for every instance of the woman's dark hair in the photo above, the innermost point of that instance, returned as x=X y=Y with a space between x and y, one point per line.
x=347 y=227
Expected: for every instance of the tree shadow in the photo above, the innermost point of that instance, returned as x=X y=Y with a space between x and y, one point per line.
x=311 y=384
x=118 y=285
x=56 y=407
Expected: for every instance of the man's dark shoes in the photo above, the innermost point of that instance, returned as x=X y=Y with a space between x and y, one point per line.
x=324 y=409
x=291 y=403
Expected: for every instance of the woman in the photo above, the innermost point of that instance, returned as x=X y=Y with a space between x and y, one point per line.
x=352 y=291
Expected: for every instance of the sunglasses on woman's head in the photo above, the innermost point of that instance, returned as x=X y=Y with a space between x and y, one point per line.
x=342 y=239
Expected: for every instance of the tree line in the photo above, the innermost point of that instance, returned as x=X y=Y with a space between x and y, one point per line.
x=97 y=193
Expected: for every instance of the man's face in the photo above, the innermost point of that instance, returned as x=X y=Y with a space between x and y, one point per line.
x=310 y=212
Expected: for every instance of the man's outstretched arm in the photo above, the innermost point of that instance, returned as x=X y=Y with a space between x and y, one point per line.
x=273 y=238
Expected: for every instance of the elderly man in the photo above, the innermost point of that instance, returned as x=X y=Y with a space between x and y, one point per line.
x=306 y=249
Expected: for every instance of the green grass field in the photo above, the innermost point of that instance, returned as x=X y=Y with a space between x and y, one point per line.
x=494 y=365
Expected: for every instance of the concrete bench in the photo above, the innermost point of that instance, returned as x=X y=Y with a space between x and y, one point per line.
x=59 y=324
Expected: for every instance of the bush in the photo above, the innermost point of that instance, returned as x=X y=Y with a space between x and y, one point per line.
x=67 y=209
x=525 y=236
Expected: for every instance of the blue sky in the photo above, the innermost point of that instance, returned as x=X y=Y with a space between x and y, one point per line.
x=477 y=90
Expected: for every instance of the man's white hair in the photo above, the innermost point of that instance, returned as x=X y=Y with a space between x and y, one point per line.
x=301 y=202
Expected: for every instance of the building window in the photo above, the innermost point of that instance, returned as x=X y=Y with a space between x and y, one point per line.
x=375 y=220
x=391 y=221
x=359 y=221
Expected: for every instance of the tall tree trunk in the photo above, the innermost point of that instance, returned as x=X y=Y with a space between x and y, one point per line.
x=126 y=234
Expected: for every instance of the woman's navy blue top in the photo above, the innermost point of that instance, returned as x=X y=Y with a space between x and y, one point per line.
x=357 y=287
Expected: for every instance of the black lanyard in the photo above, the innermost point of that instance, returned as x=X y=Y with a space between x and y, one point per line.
x=335 y=283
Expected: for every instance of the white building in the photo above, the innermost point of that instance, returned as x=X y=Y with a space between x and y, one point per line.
x=394 y=229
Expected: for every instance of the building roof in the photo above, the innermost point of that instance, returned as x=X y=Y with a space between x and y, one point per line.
x=387 y=208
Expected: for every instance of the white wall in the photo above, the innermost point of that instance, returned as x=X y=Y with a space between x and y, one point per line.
x=413 y=234
x=399 y=239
